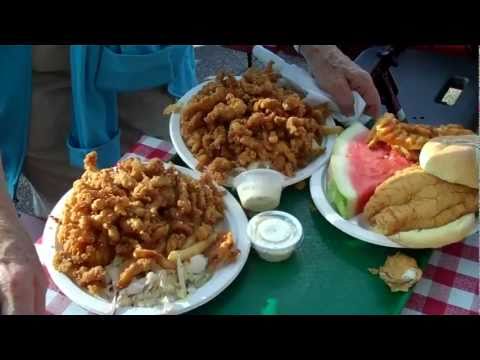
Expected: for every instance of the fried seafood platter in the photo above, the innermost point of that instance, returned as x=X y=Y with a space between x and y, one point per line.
x=402 y=185
x=232 y=123
x=144 y=237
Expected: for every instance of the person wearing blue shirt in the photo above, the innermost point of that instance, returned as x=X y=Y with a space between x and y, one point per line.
x=58 y=103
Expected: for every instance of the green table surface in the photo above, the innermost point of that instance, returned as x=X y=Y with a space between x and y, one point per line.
x=327 y=275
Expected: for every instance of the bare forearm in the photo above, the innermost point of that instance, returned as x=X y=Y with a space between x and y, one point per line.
x=22 y=283
x=11 y=230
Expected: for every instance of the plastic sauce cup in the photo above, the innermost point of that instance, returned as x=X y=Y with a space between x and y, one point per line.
x=260 y=189
x=275 y=235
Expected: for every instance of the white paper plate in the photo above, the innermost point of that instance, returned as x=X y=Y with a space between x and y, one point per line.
x=184 y=152
x=235 y=221
x=357 y=226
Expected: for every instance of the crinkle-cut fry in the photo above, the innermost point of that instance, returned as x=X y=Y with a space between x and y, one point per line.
x=412 y=155
x=409 y=139
x=193 y=250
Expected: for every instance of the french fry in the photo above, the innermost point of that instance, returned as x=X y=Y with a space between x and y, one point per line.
x=140 y=253
x=190 y=241
x=193 y=250
x=331 y=130
x=173 y=108
x=181 y=278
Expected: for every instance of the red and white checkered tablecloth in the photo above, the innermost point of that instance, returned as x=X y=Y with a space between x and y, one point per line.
x=450 y=285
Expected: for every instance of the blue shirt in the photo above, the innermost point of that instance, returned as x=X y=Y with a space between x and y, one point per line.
x=98 y=74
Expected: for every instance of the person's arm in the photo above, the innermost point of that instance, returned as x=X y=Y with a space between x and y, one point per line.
x=339 y=76
x=22 y=282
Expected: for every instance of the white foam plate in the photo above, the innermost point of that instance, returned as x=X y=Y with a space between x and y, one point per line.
x=235 y=221
x=184 y=152
x=357 y=226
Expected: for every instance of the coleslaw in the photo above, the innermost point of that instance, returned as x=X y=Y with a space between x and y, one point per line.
x=163 y=287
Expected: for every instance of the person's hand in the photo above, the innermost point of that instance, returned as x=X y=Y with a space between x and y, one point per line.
x=22 y=281
x=339 y=76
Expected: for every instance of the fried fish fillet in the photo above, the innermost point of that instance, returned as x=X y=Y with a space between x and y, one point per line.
x=413 y=199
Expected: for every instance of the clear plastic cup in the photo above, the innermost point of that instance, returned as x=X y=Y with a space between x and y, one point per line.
x=260 y=189
x=275 y=235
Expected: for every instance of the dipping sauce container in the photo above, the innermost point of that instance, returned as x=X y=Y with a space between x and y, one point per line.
x=259 y=189
x=275 y=235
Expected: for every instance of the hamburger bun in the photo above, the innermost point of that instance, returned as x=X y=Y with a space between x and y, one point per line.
x=454 y=163
x=450 y=233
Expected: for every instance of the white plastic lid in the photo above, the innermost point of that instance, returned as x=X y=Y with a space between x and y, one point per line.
x=260 y=189
x=269 y=176
x=275 y=231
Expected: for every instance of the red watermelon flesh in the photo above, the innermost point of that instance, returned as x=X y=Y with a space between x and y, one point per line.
x=368 y=168
x=355 y=170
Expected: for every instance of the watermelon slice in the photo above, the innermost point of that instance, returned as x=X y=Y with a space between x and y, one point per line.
x=355 y=170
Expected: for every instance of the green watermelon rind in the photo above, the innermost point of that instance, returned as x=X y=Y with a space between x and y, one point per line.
x=335 y=197
x=340 y=191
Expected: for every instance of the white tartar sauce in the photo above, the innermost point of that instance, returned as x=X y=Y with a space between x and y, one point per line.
x=275 y=235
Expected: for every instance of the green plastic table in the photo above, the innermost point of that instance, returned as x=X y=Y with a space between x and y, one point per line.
x=327 y=275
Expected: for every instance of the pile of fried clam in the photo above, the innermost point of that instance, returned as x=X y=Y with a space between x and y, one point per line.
x=147 y=214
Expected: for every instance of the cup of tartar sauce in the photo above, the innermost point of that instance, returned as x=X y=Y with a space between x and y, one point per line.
x=275 y=235
x=260 y=189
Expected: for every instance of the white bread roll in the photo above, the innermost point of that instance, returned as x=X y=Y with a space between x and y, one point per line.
x=450 y=233
x=457 y=164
